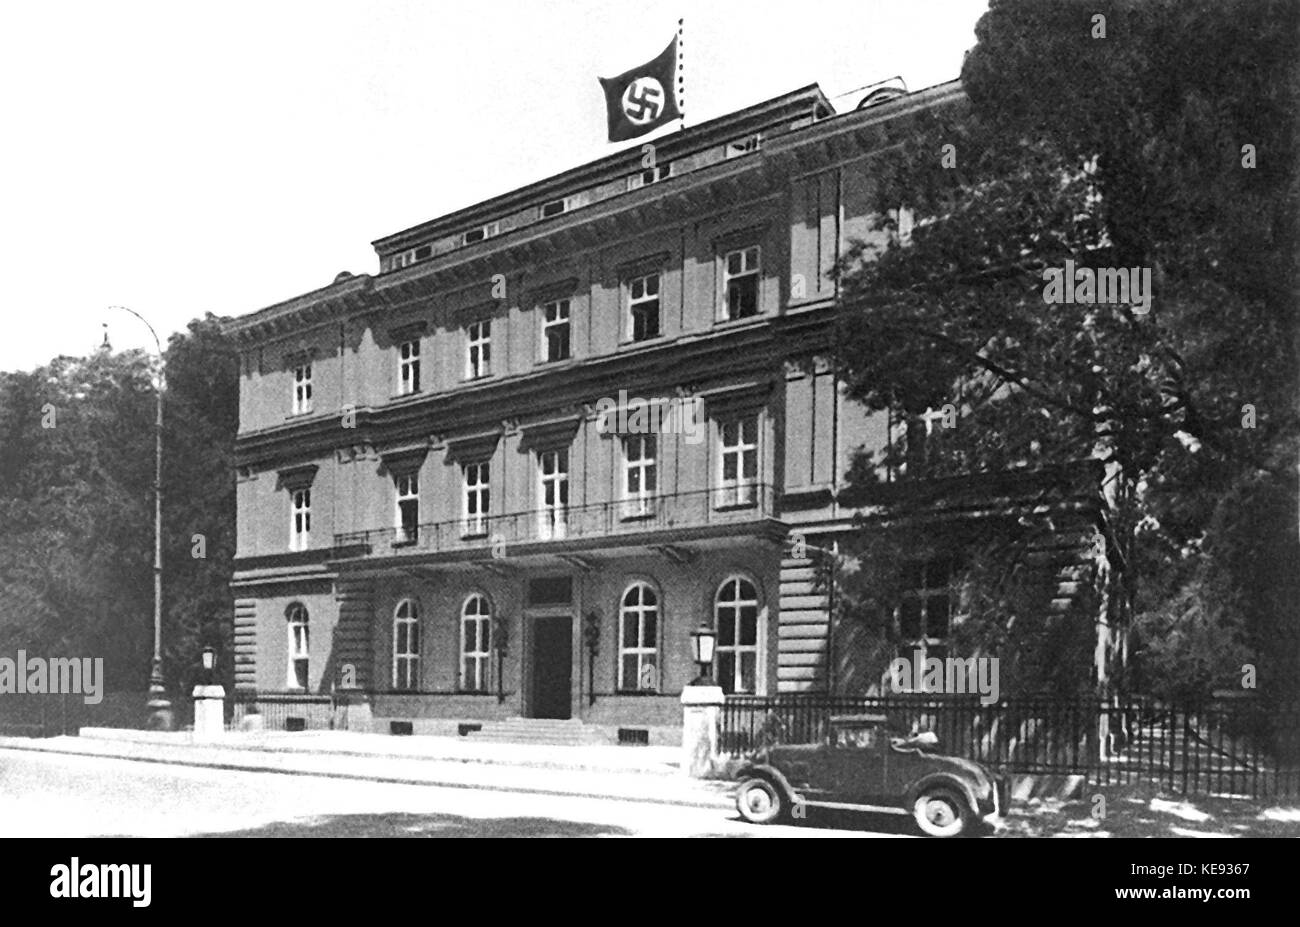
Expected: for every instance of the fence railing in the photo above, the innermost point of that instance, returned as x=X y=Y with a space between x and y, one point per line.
x=720 y=506
x=1233 y=749
x=290 y=711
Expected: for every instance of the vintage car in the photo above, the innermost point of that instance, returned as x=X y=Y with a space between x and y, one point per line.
x=865 y=766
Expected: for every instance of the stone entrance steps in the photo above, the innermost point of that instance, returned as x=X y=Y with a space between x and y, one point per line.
x=571 y=733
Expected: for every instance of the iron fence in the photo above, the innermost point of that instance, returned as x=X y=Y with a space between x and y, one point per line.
x=290 y=711
x=1245 y=748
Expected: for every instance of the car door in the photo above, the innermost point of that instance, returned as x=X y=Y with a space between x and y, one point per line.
x=857 y=766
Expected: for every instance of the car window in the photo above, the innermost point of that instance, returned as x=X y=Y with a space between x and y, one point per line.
x=856 y=737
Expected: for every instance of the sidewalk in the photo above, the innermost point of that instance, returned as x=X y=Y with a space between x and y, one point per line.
x=649 y=774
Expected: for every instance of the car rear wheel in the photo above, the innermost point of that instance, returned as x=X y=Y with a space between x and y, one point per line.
x=759 y=801
x=941 y=814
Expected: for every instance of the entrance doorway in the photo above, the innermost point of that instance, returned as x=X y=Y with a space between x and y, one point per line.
x=550 y=656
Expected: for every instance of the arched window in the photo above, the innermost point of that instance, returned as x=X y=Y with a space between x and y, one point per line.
x=735 y=616
x=638 y=639
x=475 y=644
x=406 y=645
x=298 y=646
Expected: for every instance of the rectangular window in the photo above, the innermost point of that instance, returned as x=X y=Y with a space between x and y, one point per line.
x=555 y=331
x=481 y=233
x=553 y=494
x=407 y=528
x=643 y=307
x=649 y=176
x=478 y=499
x=740 y=282
x=302 y=389
x=737 y=461
x=925 y=612
x=300 y=524
x=555 y=207
x=639 y=475
x=744 y=146
x=478 y=349
x=408 y=367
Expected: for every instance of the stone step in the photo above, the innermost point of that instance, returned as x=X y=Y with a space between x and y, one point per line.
x=553 y=731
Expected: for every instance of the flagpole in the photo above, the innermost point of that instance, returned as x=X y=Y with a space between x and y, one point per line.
x=681 y=75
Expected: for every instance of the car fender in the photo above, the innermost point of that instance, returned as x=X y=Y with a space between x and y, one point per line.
x=771 y=774
x=946 y=780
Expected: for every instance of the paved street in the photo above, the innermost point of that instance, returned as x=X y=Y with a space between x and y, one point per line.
x=68 y=795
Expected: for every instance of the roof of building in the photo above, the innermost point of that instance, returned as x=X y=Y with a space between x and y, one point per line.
x=791 y=119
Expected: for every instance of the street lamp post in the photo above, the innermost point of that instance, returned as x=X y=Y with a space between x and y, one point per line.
x=159 y=706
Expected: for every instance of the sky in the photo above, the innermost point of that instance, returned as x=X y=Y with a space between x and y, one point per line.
x=185 y=158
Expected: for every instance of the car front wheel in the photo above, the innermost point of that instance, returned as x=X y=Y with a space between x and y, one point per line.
x=759 y=801
x=941 y=814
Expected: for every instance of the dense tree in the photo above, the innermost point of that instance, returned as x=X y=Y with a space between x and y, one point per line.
x=1156 y=135
x=76 y=506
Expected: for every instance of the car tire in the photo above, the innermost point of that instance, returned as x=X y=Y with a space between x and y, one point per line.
x=941 y=813
x=760 y=801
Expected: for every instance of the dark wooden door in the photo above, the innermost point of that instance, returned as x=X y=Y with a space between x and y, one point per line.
x=552 y=666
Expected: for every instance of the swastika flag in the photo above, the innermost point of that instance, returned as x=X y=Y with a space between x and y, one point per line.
x=642 y=99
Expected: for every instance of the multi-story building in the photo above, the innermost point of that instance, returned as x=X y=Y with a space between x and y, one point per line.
x=510 y=473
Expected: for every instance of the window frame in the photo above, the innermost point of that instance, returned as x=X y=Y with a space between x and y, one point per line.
x=745 y=273
x=639 y=504
x=478 y=337
x=737 y=650
x=406 y=489
x=481 y=656
x=298 y=650
x=408 y=659
x=553 y=517
x=632 y=302
x=659 y=173
x=483 y=232
x=300 y=518
x=738 y=492
x=408 y=367
x=476 y=524
x=563 y=308
x=639 y=650
x=924 y=594
x=302 y=392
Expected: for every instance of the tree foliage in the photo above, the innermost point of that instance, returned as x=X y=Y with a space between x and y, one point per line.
x=76 y=506
x=1166 y=146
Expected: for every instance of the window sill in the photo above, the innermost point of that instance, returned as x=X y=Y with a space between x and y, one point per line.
x=637 y=693
x=637 y=516
x=475 y=535
x=740 y=322
x=735 y=506
x=633 y=343
x=410 y=542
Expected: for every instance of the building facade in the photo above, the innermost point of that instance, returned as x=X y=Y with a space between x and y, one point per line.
x=510 y=473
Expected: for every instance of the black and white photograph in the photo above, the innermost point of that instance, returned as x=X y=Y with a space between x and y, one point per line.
x=851 y=419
